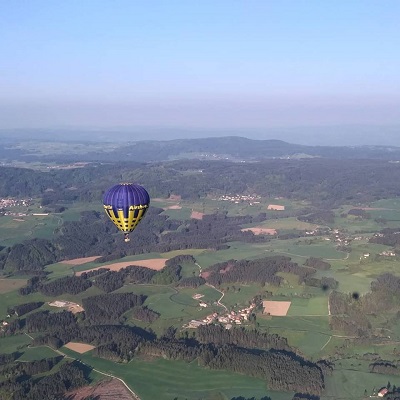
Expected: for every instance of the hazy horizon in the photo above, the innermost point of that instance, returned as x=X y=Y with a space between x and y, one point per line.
x=350 y=135
x=208 y=66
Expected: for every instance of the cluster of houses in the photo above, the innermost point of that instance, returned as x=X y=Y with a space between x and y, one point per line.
x=228 y=319
x=239 y=198
x=11 y=202
x=7 y=203
x=341 y=238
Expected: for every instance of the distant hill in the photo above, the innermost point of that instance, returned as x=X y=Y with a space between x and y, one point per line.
x=233 y=148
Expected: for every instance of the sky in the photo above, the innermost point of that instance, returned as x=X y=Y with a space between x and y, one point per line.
x=212 y=65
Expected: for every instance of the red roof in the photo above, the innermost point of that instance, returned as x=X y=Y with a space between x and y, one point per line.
x=383 y=391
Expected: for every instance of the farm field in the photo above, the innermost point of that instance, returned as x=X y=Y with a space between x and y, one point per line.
x=9 y=284
x=153 y=263
x=37 y=353
x=351 y=384
x=302 y=249
x=164 y=380
x=12 y=229
x=290 y=223
x=237 y=251
x=10 y=344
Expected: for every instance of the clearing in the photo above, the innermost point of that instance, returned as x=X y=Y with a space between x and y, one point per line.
x=73 y=307
x=196 y=215
x=258 y=230
x=154 y=263
x=174 y=207
x=104 y=390
x=276 y=308
x=276 y=207
x=79 y=261
x=79 y=347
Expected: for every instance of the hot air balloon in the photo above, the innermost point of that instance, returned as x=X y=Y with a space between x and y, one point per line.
x=126 y=204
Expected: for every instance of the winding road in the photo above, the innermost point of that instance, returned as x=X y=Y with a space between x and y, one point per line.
x=212 y=286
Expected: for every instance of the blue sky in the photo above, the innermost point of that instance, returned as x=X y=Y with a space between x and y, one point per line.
x=203 y=64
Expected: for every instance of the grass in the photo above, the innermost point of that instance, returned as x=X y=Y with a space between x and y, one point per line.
x=287 y=224
x=12 y=231
x=164 y=379
x=240 y=294
x=309 y=334
x=10 y=344
x=237 y=250
x=304 y=307
x=302 y=249
x=13 y=298
x=350 y=384
x=37 y=353
x=179 y=214
x=9 y=285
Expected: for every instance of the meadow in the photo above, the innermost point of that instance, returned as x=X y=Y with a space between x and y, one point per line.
x=13 y=229
x=165 y=380
x=348 y=383
x=9 y=344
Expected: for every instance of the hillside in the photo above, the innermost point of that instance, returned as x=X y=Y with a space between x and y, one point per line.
x=232 y=148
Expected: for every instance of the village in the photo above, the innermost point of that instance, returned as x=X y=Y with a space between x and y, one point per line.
x=11 y=202
x=8 y=203
x=239 y=198
x=228 y=319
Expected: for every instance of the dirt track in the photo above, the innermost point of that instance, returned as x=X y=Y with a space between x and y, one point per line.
x=154 y=263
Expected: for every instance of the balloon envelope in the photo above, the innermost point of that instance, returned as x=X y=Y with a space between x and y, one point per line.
x=126 y=204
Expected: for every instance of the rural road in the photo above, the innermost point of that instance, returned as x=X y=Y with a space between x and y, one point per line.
x=212 y=286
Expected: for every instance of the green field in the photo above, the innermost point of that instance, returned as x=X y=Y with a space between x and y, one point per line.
x=351 y=384
x=305 y=307
x=38 y=353
x=309 y=334
x=14 y=229
x=237 y=251
x=163 y=380
x=303 y=250
x=8 y=285
x=10 y=344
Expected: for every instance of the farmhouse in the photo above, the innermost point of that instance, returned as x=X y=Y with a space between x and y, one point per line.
x=383 y=392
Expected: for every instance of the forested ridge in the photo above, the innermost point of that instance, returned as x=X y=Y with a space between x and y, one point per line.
x=321 y=181
x=92 y=235
x=154 y=150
